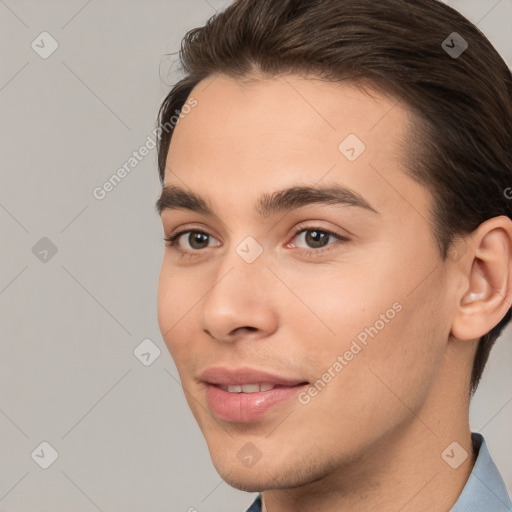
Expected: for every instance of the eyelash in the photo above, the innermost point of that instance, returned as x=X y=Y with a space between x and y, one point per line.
x=172 y=241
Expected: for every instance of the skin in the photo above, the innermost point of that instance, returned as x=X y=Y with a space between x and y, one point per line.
x=372 y=439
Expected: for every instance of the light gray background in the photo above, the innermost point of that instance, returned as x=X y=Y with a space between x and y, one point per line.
x=125 y=438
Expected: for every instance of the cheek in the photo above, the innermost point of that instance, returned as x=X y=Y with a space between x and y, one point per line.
x=373 y=323
x=165 y=301
x=381 y=383
x=175 y=300
x=332 y=307
x=400 y=361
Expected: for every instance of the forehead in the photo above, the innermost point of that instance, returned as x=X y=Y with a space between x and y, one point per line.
x=245 y=138
x=288 y=108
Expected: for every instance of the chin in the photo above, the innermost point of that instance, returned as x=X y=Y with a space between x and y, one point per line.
x=253 y=479
x=263 y=476
x=247 y=484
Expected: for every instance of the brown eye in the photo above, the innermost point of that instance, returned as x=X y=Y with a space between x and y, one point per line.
x=190 y=240
x=316 y=238
x=197 y=240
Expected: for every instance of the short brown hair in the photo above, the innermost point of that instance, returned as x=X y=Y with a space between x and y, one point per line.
x=460 y=147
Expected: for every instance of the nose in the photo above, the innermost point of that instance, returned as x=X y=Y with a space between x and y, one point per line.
x=240 y=303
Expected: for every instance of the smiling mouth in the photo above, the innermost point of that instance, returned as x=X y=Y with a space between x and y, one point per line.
x=246 y=394
x=248 y=403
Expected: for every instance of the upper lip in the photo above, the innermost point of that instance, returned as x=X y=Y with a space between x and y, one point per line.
x=239 y=376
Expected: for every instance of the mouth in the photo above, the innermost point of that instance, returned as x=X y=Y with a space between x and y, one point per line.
x=246 y=395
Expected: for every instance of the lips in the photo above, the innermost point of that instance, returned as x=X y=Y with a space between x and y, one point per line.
x=246 y=394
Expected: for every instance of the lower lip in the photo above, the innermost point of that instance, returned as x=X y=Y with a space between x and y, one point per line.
x=247 y=407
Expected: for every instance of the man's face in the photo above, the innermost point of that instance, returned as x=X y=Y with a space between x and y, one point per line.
x=350 y=328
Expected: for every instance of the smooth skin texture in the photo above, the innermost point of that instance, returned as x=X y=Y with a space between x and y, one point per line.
x=372 y=438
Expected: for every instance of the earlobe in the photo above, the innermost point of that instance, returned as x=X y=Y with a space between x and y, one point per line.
x=488 y=289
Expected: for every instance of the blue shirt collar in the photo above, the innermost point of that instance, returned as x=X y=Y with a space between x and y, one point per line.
x=484 y=490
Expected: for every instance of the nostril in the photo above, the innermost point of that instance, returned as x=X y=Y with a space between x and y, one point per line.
x=249 y=328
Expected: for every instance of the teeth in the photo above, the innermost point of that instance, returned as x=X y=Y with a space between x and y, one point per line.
x=248 y=388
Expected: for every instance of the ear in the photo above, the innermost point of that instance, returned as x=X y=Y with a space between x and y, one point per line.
x=486 y=295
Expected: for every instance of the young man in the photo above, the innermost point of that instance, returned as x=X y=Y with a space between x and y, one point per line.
x=336 y=199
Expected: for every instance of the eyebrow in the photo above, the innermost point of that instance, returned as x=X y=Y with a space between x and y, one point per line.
x=174 y=197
